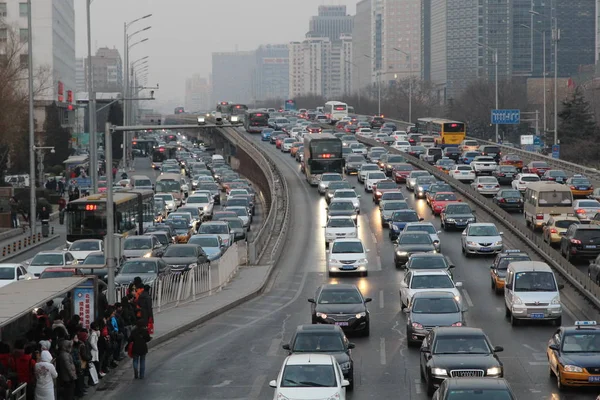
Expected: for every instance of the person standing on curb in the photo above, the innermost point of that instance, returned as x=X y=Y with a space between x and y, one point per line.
x=139 y=339
x=14 y=211
x=45 y=373
x=67 y=374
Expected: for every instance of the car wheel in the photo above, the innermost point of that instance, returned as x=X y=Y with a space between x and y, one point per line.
x=558 y=321
x=367 y=330
x=430 y=388
x=513 y=320
x=493 y=284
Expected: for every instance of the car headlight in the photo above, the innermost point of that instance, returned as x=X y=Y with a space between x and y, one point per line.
x=498 y=243
x=378 y=193
x=394 y=227
x=494 y=371
x=402 y=253
x=333 y=261
x=147 y=255
x=420 y=188
x=517 y=300
x=556 y=300
x=322 y=315
x=572 y=368
x=361 y=314
x=330 y=194
x=193 y=265
x=450 y=220
x=417 y=325
x=457 y=297
x=471 y=219
x=439 y=371
x=471 y=243
x=363 y=261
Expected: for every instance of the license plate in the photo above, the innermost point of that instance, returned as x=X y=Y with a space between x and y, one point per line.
x=489 y=187
x=348 y=267
x=485 y=249
x=341 y=323
x=589 y=246
x=537 y=315
x=593 y=378
x=340 y=234
x=461 y=223
x=513 y=200
x=464 y=173
x=582 y=188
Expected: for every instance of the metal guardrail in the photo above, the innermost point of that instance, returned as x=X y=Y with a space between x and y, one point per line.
x=517 y=226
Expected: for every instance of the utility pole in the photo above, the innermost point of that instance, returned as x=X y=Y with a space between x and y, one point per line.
x=556 y=39
x=32 y=208
x=110 y=218
x=91 y=106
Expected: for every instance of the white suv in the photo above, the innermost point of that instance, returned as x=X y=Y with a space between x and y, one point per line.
x=340 y=227
x=463 y=173
x=372 y=179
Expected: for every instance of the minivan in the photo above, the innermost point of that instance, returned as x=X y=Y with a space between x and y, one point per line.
x=545 y=200
x=141 y=182
x=532 y=293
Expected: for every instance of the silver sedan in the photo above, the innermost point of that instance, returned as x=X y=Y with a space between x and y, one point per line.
x=481 y=238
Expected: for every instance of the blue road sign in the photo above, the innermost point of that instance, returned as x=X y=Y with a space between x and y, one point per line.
x=83 y=183
x=556 y=151
x=537 y=141
x=500 y=117
x=529 y=147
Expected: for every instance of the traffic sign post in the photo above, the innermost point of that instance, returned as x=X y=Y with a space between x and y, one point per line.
x=506 y=117
x=556 y=151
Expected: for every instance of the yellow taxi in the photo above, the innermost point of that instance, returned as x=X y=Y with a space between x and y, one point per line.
x=574 y=355
x=580 y=186
x=500 y=265
x=553 y=230
x=295 y=147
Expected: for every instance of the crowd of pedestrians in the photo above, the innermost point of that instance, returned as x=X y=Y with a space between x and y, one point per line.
x=60 y=358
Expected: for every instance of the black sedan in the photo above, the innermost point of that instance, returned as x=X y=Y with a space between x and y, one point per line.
x=410 y=243
x=457 y=216
x=342 y=305
x=505 y=174
x=327 y=339
x=509 y=200
x=430 y=309
x=452 y=153
x=458 y=352
x=183 y=257
x=341 y=207
x=471 y=388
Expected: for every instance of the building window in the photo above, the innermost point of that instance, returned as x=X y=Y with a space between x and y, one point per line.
x=24 y=58
x=24 y=35
x=23 y=10
x=3 y=34
x=2 y=9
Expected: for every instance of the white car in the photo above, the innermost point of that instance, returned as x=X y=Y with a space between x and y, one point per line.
x=348 y=194
x=365 y=169
x=486 y=185
x=372 y=178
x=168 y=199
x=10 y=273
x=310 y=376
x=463 y=173
x=83 y=247
x=347 y=256
x=522 y=180
x=401 y=145
x=204 y=202
x=286 y=146
x=358 y=148
x=412 y=178
x=484 y=165
x=48 y=259
x=428 y=227
x=237 y=192
x=325 y=179
x=427 y=280
x=366 y=132
x=400 y=135
x=340 y=227
x=242 y=213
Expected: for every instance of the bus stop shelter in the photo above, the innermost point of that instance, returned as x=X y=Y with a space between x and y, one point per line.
x=20 y=300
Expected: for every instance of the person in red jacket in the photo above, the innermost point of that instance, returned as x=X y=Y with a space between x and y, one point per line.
x=25 y=367
x=6 y=359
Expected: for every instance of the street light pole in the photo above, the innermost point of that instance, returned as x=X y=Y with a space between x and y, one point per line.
x=409 y=58
x=110 y=218
x=556 y=39
x=32 y=213
x=496 y=81
x=91 y=106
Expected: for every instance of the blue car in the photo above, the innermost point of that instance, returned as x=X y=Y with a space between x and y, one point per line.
x=422 y=185
x=468 y=156
x=399 y=220
x=265 y=135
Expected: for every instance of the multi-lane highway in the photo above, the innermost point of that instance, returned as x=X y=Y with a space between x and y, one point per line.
x=236 y=354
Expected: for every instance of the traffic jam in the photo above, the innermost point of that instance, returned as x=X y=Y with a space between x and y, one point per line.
x=422 y=217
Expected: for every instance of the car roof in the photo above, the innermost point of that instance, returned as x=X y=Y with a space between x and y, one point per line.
x=331 y=286
x=87 y=240
x=319 y=328
x=482 y=224
x=311 y=358
x=428 y=255
x=430 y=294
x=458 y=330
x=61 y=252
x=10 y=265
x=155 y=233
x=418 y=223
x=155 y=259
x=348 y=240
x=429 y=272
x=341 y=217
x=520 y=266
x=588 y=227
x=477 y=383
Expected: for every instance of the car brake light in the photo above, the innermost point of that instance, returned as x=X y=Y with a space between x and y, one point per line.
x=553 y=230
x=580 y=211
x=501 y=174
x=497 y=186
x=539 y=216
x=572 y=187
x=502 y=200
x=575 y=241
x=479 y=186
x=457 y=324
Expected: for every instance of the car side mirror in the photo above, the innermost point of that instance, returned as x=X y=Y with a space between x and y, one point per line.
x=451 y=266
x=69 y=262
x=498 y=349
x=22 y=277
x=554 y=347
x=358 y=197
x=492 y=266
x=439 y=232
x=464 y=233
x=458 y=284
x=286 y=346
x=368 y=299
x=311 y=300
x=345 y=383
x=351 y=346
x=561 y=286
x=273 y=384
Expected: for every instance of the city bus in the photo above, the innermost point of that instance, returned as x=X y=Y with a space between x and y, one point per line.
x=87 y=217
x=255 y=121
x=322 y=153
x=290 y=105
x=335 y=111
x=144 y=146
x=237 y=113
x=179 y=110
x=448 y=133
x=423 y=125
x=224 y=107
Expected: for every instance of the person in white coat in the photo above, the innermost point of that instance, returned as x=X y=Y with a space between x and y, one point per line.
x=45 y=373
x=93 y=340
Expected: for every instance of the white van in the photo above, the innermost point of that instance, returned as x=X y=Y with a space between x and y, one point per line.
x=218 y=118
x=217 y=159
x=543 y=200
x=532 y=292
x=141 y=182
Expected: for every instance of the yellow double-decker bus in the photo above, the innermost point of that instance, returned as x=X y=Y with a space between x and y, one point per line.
x=447 y=133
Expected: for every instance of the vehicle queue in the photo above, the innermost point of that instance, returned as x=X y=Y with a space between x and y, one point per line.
x=454 y=358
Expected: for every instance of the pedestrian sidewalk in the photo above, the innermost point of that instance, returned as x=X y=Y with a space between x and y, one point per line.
x=22 y=242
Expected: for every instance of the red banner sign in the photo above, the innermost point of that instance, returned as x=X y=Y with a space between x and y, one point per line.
x=61 y=91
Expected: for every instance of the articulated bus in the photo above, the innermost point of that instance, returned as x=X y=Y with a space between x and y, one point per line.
x=256 y=121
x=447 y=133
x=322 y=153
x=335 y=110
x=87 y=217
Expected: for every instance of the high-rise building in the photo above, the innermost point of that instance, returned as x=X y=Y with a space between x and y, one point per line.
x=271 y=72
x=107 y=70
x=362 y=46
x=577 y=45
x=346 y=69
x=331 y=22
x=197 y=94
x=231 y=76
x=80 y=78
x=53 y=40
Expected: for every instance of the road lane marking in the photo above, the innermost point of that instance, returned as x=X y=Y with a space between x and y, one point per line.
x=382 y=351
x=222 y=384
x=538 y=363
x=274 y=348
x=381 y=299
x=257 y=386
x=377 y=263
x=467 y=297
x=531 y=348
x=418 y=389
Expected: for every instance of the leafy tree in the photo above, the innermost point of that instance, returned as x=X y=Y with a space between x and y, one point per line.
x=576 y=119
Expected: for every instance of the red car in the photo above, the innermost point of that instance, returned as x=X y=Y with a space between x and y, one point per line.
x=279 y=140
x=401 y=172
x=340 y=125
x=536 y=167
x=314 y=129
x=441 y=200
x=381 y=187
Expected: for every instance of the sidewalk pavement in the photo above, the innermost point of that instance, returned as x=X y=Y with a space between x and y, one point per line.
x=27 y=242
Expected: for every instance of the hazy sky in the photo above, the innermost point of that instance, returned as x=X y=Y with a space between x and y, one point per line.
x=184 y=33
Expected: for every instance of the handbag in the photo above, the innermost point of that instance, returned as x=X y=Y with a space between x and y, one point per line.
x=93 y=373
x=151 y=326
x=130 y=349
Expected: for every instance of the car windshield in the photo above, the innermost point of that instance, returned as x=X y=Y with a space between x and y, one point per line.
x=555 y=198
x=488 y=180
x=582 y=341
x=162 y=238
x=430 y=229
x=213 y=228
x=414 y=238
x=387 y=185
x=7 y=273
x=138 y=267
x=403 y=167
x=48 y=259
x=345 y=194
x=556 y=173
x=580 y=181
x=164 y=197
x=539 y=165
x=192 y=210
x=443 y=305
x=85 y=246
x=504 y=261
x=237 y=202
x=392 y=196
x=197 y=200
x=588 y=204
x=318 y=342
x=180 y=251
x=483 y=230
x=395 y=158
x=445 y=197
x=354 y=247
x=458 y=209
x=179 y=223
x=331 y=178
x=564 y=223
x=376 y=175
x=240 y=211
x=509 y=194
x=535 y=281
x=308 y=376
x=395 y=205
x=369 y=167
x=341 y=205
x=405 y=217
x=142 y=243
x=340 y=223
x=425 y=180
x=432 y=282
x=461 y=345
x=340 y=296
x=94 y=259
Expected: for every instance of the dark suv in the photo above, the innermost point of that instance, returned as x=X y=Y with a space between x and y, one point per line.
x=377 y=122
x=457 y=216
x=580 y=241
